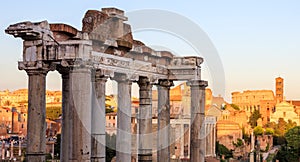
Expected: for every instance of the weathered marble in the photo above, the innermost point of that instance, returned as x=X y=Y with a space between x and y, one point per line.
x=106 y=44
x=98 y=118
x=81 y=114
x=197 y=140
x=163 y=132
x=36 y=122
x=145 y=121
x=123 y=142
x=66 y=115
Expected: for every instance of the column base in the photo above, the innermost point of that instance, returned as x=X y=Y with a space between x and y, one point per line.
x=144 y=157
x=97 y=159
x=35 y=157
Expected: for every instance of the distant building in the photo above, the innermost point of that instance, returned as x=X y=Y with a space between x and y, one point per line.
x=12 y=122
x=279 y=89
x=228 y=132
x=286 y=111
x=111 y=123
x=250 y=100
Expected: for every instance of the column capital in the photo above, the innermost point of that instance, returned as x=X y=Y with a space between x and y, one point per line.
x=197 y=83
x=64 y=71
x=123 y=78
x=102 y=75
x=165 y=83
x=37 y=71
x=144 y=83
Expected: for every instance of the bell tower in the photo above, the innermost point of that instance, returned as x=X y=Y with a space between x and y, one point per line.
x=279 y=89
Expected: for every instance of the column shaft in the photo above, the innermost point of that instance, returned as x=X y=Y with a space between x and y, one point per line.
x=124 y=121
x=81 y=114
x=66 y=118
x=98 y=120
x=211 y=140
x=163 y=136
x=207 y=139
x=36 y=124
x=214 y=139
x=181 y=140
x=197 y=139
x=145 y=121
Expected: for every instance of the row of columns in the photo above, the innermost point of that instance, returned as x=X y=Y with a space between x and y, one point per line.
x=210 y=139
x=83 y=117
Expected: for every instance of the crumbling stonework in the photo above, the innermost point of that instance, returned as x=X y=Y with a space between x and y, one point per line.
x=105 y=48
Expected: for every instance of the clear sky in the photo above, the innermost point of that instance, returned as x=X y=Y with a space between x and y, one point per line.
x=256 y=40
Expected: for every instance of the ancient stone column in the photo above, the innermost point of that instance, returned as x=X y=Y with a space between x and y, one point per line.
x=207 y=134
x=36 y=124
x=163 y=130
x=214 y=140
x=145 y=121
x=123 y=144
x=211 y=140
x=98 y=119
x=81 y=114
x=197 y=133
x=66 y=115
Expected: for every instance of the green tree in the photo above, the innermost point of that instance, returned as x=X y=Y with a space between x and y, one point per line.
x=269 y=131
x=281 y=127
x=255 y=115
x=246 y=136
x=223 y=150
x=108 y=110
x=293 y=138
x=258 y=130
x=290 y=124
x=238 y=143
x=53 y=112
x=290 y=150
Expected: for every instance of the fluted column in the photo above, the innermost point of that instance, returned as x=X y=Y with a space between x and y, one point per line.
x=197 y=133
x=98 y=119
x=163 y=136
x=66 y=115
x=36 y=124
x=81 y=114
x=145 y=121
x=123 y=144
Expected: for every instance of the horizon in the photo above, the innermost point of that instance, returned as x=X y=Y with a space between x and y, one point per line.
x=256 y=41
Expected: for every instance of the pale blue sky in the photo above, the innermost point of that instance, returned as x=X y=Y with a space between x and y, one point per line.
x=256 y=40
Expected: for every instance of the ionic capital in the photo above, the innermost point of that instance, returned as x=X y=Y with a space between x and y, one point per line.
x=165 y=83
x=122 y=78
x=31 y=72
x=36 y=68
x=198 y=83
x=144 y=83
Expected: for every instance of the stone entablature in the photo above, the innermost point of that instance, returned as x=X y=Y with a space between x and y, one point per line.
x=100 y=45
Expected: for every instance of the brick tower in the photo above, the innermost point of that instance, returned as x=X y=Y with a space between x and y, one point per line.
x=279 y=89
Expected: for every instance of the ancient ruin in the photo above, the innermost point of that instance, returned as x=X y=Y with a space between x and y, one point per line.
x=104 y=49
